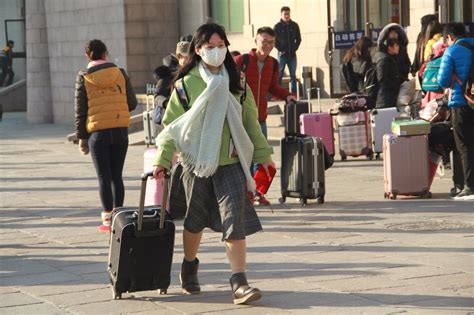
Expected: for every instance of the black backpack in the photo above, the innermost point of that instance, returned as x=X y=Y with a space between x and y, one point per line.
x=371 y=83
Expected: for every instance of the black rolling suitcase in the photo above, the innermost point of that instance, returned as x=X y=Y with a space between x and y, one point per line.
x=302 y=169
x=141 y=246
x=292 y=113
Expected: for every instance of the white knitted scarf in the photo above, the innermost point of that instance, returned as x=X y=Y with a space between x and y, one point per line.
x=197 y=134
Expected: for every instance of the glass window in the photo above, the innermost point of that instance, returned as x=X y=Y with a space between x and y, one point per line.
x=221 y=13
x=456 y=11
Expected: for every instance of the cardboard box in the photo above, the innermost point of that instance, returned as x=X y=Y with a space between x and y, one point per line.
x=410 y=127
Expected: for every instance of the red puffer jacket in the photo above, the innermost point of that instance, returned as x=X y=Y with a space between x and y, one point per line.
x=263 y=82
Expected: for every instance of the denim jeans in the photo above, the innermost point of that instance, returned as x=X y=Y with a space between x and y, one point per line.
x=108 y=149
x=291 y=63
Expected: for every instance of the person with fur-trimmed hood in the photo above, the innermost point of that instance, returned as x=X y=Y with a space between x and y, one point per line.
x=394 y=30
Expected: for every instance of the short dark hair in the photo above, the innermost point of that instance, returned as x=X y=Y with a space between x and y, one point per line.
x=456 y=29
x=284 y=8
x=266 y=29
x=95 y=49
x=10 y=42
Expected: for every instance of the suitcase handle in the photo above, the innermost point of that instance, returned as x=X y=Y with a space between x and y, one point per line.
x=164 y=200
x=308 y=95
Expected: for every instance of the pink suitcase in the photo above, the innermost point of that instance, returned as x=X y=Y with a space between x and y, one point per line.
x=406 y=166
x=154 y=188
x=319 y=125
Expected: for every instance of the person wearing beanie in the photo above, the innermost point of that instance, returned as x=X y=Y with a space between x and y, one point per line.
x=164 y=76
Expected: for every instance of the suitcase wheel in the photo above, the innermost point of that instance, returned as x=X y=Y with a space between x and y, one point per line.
x=320 y=200
x=393 y=197
x=426 y=195
x=343 y=157
x=281 y=200
x=162 y=291
x=369 y=157
x=303 y=202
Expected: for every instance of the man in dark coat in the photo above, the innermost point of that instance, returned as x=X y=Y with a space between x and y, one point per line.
x=288 y=40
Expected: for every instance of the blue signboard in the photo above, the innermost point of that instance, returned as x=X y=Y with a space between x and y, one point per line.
x=347 y=39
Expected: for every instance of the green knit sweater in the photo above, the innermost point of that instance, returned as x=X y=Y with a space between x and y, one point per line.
x=194 y=87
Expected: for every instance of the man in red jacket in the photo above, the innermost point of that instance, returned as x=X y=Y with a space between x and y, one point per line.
x=261 y=72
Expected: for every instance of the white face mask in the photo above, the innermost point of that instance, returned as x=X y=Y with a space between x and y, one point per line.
x=214 y=57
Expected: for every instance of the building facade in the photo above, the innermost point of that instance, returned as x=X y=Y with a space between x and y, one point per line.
x=139 y=33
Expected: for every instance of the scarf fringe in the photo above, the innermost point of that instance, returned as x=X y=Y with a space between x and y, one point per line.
x=199 y=168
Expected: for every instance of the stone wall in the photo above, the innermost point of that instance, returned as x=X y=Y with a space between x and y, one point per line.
x=70 y=25
x=151 y=32
x=138 y=34
x=39 y=100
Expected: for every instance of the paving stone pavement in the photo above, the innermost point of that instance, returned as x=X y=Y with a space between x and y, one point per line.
x=355 y=254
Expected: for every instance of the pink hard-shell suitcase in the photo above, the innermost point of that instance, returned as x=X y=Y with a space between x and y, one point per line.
x=319 y=125
x=154 y=188
x=406 y=166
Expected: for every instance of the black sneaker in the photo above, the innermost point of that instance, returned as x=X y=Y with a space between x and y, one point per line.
x=465 y=194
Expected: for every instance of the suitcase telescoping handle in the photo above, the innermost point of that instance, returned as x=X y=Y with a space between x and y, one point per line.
x=308 y=92
x=164 y=200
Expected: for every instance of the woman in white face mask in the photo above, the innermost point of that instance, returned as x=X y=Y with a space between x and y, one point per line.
x=217 y=138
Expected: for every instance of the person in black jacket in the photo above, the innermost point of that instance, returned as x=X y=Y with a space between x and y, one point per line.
x=387 y=73
x=164 y=76
x=356 y=62
x=104 y=99
x=395 y=31
x=288 y=40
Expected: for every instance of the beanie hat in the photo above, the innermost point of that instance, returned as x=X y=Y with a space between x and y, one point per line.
x=182 y=48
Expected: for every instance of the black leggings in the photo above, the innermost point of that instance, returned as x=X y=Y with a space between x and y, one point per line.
x=108 y=149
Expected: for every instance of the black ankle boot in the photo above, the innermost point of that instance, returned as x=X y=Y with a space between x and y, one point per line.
x=188 y=277
x=243 y=293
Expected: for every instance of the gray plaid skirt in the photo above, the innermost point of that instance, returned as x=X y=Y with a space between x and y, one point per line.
x=219 y=202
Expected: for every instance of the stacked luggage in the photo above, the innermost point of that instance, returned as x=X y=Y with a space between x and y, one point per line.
x=352 y=123
x=407 y=160
x=302 y=159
